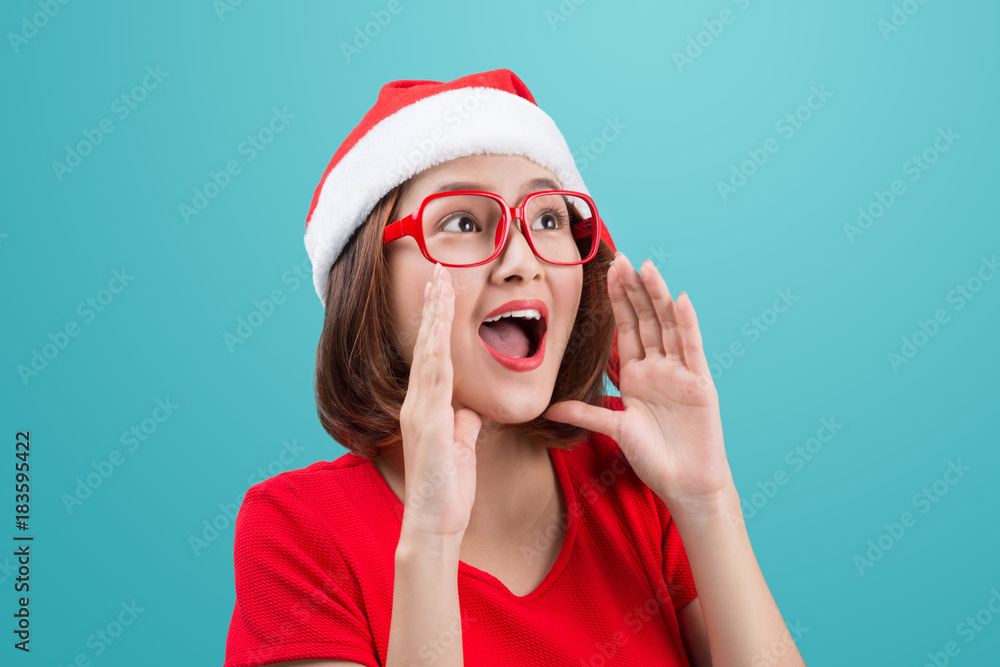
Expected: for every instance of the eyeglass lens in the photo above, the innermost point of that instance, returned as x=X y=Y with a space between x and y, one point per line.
x=463 y=229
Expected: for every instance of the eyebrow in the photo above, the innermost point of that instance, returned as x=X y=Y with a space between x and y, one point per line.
x=533 y=185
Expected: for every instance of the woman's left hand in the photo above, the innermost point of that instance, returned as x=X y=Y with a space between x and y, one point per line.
x=670 y=429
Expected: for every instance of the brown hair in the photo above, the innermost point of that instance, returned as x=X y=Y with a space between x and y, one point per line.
x=361 y=379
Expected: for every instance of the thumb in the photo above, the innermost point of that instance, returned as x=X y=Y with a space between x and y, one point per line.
x=467 y=425
x=586 y=416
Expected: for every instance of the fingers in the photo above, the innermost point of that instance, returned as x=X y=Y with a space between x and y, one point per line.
x=431 y=367
x=641 y=323
x=467 y=426
x=694 y=350
x=650 y=321
x=629 y=342
x=666 y=310
x=437 y=373
x=587 y=416
x=426 y=321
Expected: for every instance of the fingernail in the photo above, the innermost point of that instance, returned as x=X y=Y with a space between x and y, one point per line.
x=437 y=270
x=617 y=252
x=682 y=294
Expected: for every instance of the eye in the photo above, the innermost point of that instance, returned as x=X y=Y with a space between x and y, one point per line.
x=464 y=220
x=553 y=219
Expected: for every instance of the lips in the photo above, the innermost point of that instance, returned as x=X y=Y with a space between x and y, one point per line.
x=517 y=343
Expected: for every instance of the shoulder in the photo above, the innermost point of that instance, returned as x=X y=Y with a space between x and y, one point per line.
x=320 y=482
x=307 y=502
x=300 y=569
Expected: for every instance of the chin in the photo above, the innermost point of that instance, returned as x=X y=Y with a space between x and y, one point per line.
x=503 y=408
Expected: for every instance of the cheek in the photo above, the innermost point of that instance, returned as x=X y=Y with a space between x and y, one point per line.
x=570 y=294
x=404 y=340
x=406 y=287
x=406 y=314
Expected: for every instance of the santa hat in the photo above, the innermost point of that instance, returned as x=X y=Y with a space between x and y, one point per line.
x=415 y=125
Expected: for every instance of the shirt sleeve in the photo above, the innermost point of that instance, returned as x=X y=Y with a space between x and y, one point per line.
x=676 y=569
x=295 y=597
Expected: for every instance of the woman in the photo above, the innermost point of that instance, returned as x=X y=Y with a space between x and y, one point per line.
x=495 y=506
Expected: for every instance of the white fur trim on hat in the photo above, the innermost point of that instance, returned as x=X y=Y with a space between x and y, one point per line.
x=435 y=129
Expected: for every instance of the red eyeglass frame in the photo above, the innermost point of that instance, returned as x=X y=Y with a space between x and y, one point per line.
x=412 y=225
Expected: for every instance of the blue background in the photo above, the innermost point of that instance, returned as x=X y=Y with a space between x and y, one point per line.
x=686 y=126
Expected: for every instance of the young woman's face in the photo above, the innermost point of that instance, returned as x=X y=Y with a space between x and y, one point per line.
x=481 y=382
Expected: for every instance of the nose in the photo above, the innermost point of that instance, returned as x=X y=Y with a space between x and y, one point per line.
x=516 y=233
x=517 y=256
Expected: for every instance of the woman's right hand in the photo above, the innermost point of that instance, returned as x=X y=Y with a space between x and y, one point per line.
x=439 y=437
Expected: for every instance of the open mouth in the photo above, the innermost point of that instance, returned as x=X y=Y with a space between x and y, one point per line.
x=517 y=335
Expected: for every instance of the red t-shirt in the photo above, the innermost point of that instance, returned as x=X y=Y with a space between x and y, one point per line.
x=315 y=554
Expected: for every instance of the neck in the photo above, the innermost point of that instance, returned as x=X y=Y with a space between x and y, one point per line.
x=513 y=484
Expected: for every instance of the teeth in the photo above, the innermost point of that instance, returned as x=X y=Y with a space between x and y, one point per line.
x=531 y=313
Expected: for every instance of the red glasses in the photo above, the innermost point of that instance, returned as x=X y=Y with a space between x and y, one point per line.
x=469 y=227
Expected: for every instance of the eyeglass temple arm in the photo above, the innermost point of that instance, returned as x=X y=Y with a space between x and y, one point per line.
x=393 y=232
x=582 y=228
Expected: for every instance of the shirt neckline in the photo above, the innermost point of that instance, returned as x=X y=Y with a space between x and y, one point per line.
x=569 y=497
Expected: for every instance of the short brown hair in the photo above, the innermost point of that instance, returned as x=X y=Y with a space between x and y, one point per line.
x=361 y=378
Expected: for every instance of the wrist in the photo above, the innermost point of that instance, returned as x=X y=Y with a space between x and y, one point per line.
x=414 y=541
x=721 y=503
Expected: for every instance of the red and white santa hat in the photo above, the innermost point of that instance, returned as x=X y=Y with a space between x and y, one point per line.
x=415 y=125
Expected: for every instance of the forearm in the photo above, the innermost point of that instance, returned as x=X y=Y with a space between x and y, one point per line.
x=742 y=621
x=426 y=625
